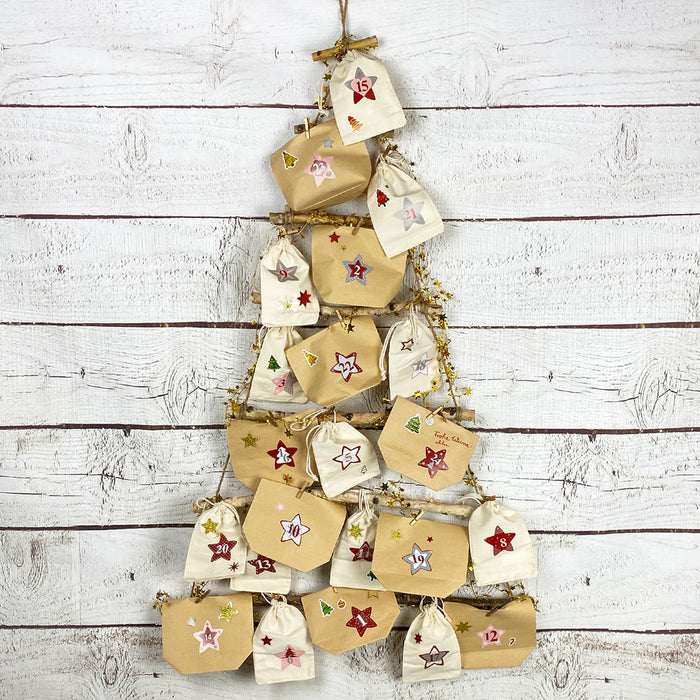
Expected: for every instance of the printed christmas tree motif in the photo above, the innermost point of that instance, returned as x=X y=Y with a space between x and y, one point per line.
x=362 y=553
x=346 y=365
x=413 y=424
x=290 y=656
x=356 y=531
x=348 y=456
x=490 y=636
x=382 y=199
x=310 y=358
x=304 y=298
x=410 y=213
x=434 y=462
x=361 y=620
x=249 y=440
x=362 y=86
x=283 y=455
x=420 y=366
x=371 y=576
x=222 y=549
x=326 y=609
x=263 y=565
x=320 y=169
x=357 y=270
x=210 y=526
x=289 y=160
x=284 y=383
x=354 y=124
x=500 y=541
x=272 y=363
x=434 y=657
x=418 y=559
x=294 y=530
x=285 y=274
x=208 y=637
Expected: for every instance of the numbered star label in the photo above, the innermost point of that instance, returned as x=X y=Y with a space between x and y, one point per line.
x=294 y=530
x=500 y=541
x=284 y=383
x=208 y=638
x=263 y=565
x=418 y=559
x=282 y=455
x=434 y=462
x=362 y=553
x=421 y=366
x=490 y=636
x=362 y=86
x=348 y=456
x=283 y=273
x=222 y=549
x=290 y=657
x=357 y=270
x=410 y=213
x=320 y=169
x=434 y=657
x=346 y=365
x=361 y=620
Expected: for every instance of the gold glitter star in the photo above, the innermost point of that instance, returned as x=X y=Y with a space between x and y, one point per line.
x=396 y=535
x=468 y=391
x=227 y=611
x=287 y=478
x=249 y=441
x=463 y=627
x=349 y=327
x=355 y=531
x=210 y=526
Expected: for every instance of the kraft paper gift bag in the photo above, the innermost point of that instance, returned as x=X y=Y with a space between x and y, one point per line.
x=214 y=634
x=287 y=297
x=363 y=98
x=427 y=448
x=402 y=213
x=350 y=267
x=351 y=565
x=346 y=618
x=273 y=379
x=487 y=639
x=268 y=451
x=500 y=545
x=282 y=649
x=217 y=548
x=292 y=527
x=320 y=171
x=431 y=650
x=262 y=574
x=344 y=457
x=411 y=355
x=426 y=558
x=335 y=363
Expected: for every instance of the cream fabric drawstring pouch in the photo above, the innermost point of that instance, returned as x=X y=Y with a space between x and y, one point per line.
x=273 y=379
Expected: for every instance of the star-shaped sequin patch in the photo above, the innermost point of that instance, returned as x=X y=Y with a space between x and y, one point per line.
x=263 y=565
x=355 y=531
x=346 y=365
x=210 y=526
x=222 y=549
x=418 y=559
x=362 y=86
x=500 y=541
x=434 y=462
x=410 y=213
x=284 y=273
x=420 y=366
x=208 y=638
x=284 y=383
x=294 y=530
x=362 y=553
x=283 y=455
x=290 y=656
x=348 y=456
x=361 y=620
x=434 y=657
x=320 y=169
x=357 y=270
x=490 y=636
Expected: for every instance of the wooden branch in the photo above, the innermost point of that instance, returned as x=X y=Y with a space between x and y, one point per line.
x=461 y=510
x=289 y=218
x=371 y=42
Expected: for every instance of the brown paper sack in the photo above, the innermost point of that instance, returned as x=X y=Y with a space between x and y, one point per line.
x=265 y=451
x=426 y=558
x=295 y=528
x=428 y=449
x=215 y=634
x=345 y=618
x=350 y=267
x=335 y=364
x=320 y=171
x=505 y=637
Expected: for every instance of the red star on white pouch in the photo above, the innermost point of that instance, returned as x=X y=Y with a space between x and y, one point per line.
x=263 y=564
x=490 y=636
x=290 y=656
x=434 y=462
x=320 y=169
x=346 y=365
x=293 y=530
x=500 y=541
x=362 y=553
x=348 y=456
x=208 y=637
x=434 y=657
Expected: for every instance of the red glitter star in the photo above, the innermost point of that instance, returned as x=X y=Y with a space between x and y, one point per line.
x=304 y=298
x=361 y=620
x=334 y=237
x=500 y=541
x=222 y=548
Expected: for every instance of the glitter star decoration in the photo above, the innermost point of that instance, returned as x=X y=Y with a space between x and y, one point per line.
x=262 y=565
x=284 y=383
x=355 y=531
x=328 y=142
x=290 y=656
x=285 y=274
x=222 y=549
x=410 y=213
x=294 y=530
x=434 y=657
x=418 y=559
x=304 y=298
x=357 y=270
x=208 y=637
x=210 y=526
x=227 y=612
x=362 y=553
x=490 y=636
x=361 y=620
x=362 y=86
x=283 y=455
x=346 y=365
x=500 y=541
x=396 y=535
x=463 y=627
x=249 y=440
x=320 y=169
x=434 y=462
x=348 y=456
x=420 y=366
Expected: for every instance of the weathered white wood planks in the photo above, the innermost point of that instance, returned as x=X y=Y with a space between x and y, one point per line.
x=110 y=577
x=456 y=53
x=98 y=477
x=476 y=164
x=535 y=273
x=547 y=378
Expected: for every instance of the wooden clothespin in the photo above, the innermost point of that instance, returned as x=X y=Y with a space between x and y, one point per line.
x=416 y=517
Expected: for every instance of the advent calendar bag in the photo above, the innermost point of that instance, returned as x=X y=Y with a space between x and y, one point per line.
x=262 y=574
x=431 y=650
x=364 y=101
x=320 y=171
x=424 y=446
x=282 y=649
x=402 y=213
x=287 y=296
x=351 y=565
x=273 y=379
x=335 y=363
x=500 y=545
x=344 y=456
x=350 y=267
x=411 y=355
x=217 y=548
x=211 y=634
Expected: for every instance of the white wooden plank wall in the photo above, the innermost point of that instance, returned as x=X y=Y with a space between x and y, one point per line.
x=559 y=140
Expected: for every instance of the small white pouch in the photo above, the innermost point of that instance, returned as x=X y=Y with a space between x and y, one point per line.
x=500 y=545
x=287 y=296
x=273 y=379
x=351 y=566
x=217 y=546
x=364 y=101
x=282 y=649
x=263 y=575
x=403 y=215
x=344 y=457
x=431 y=650
x=411 y=355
